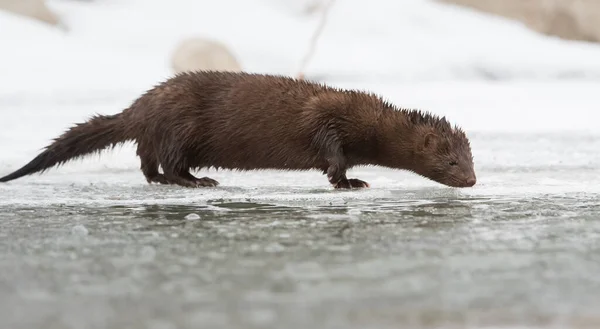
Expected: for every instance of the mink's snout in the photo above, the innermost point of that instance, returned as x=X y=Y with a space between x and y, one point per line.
x=470 y=181
x=461 y=180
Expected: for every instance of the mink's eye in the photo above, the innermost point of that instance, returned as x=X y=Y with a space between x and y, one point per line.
x=453 y=163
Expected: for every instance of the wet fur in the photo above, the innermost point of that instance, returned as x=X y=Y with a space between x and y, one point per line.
x=246 y=121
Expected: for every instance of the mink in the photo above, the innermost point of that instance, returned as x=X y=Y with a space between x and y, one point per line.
x=248 y=121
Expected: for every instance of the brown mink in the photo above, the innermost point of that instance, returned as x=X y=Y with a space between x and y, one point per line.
x=246 y=121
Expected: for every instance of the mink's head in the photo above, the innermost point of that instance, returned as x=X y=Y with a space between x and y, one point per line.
x=443 y=153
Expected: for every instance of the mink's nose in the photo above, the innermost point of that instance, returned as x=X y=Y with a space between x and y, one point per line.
x=470 y=181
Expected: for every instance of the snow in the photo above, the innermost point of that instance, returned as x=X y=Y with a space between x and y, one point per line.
x=114 y=45
x=424 y=41
x=488 y=74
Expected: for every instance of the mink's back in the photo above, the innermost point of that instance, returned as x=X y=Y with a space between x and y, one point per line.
x=232 y=120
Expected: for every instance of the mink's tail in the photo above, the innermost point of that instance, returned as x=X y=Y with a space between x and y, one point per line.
x=98 y=133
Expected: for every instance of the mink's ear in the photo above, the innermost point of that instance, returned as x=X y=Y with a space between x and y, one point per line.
x=429 y=141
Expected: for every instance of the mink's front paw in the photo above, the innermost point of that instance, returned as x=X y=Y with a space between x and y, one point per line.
x=351 y=183
x=206 y=182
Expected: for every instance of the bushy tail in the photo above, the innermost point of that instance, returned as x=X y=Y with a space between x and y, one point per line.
x=96 y=134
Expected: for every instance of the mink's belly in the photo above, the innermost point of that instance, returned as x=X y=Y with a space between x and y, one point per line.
x=244 y=157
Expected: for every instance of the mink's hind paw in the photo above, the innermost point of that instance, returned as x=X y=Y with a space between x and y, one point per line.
x=185 y=179
x=158 y=179
x=351 y=184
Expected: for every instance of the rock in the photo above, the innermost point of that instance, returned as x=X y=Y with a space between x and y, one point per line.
x=203 y=54
x=567 y=19
x=36 y=9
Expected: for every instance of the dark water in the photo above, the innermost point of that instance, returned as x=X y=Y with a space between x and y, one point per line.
x=422 y=258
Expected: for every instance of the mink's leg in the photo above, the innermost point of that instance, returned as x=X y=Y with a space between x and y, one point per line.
x=181 y=176
x=337 y=178
x=336 y=171
x=184 y=178
x=176 y=169
x=149 y=167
